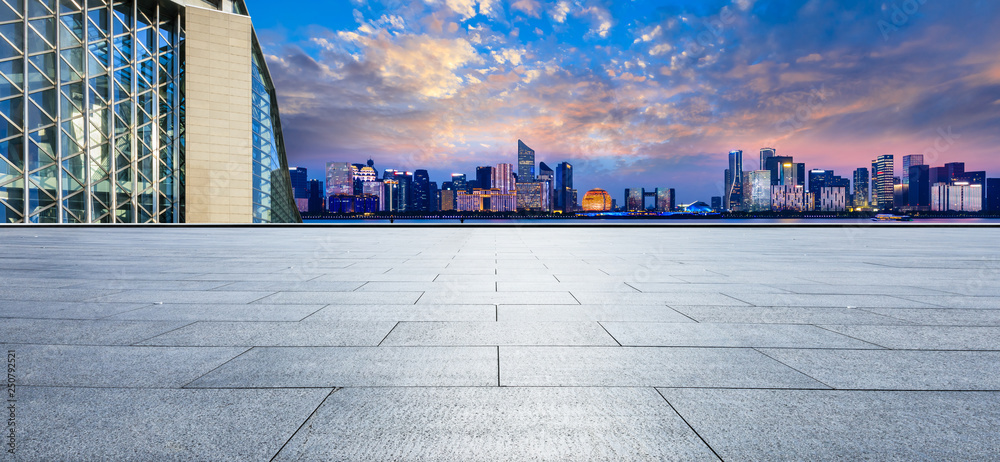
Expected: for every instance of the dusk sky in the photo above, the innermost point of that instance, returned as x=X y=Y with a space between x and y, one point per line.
x=634 y=93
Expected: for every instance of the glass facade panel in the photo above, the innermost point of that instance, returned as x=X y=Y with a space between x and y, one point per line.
x=73 y=147
x=272 y=189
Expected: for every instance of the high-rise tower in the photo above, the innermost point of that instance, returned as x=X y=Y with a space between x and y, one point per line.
x=525 y=163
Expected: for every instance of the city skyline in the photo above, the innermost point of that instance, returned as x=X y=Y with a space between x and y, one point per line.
x=838 y=84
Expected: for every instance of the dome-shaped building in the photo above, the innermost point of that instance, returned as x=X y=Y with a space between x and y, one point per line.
x=597 y=200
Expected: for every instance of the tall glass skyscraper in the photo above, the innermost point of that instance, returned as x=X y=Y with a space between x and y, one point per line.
x=734 y=180
x=525 y=163
x=564 y=188
x=882 y=182
x=128 y=111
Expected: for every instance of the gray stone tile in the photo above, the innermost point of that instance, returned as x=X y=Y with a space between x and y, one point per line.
x=926 y=337
x=486 y=278
x=473 y=424
x=347 y=276
x=63 y=310
x=896 y=370
x=377 y=286
x=290 y=286
x=175 y=296
x=130 y=424
x=115 y=366
x=554 y=286
x=340 y=313
x=786 y=315
x=357 y=367
x=645 y=367
x=605 y=298
x=854 y=301
x=498 y=333
x=341 y=298
x=839 y=425
x=657 y=287
x=856 y=289
x=728 y=335
x=81 y=332
x=22 y=294
x=161 y=284
x=219 y=312
x=366 y=333
x=584 y=313
x=952 y=301
x=943 y=316
x=497 y=298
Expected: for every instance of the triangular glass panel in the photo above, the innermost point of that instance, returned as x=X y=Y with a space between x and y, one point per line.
x=145 y=18
x=9 y=214
x=14 y=33
x=122 y=161
x=76 y=166
x=41 y=35
x=9 y=14
x=7 y=172
x=100 y=159
x=13 y=70
x=38 y=79
x=72 y=29
x=97 y=66
x=70 y=185
x=69 y=146
x=47 y=100
x=14 y=110
x=99 y=88
x=38 y=156
x=123 y=19
x=124 y=78
x=68 y=6
x=36 y=118
x=8 y=129
x=46 y=64
x=123 y=51
x=75 y=129
x=71 y=65
x=98 y=24
x=38 y=8
x=13 y=151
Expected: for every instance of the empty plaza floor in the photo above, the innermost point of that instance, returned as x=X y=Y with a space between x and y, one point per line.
x=487 y=343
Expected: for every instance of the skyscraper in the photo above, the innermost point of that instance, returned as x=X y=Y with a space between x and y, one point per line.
x=503 y=178
x=300 y=179
x=339 y=178
x=525 y=163
x=861 y=184
x=993 y=195
x=883 y=189
x=484 y=175
x=548 y=176
x=919 y=186
x=635 y=200
x=910 y=161
x=112 y=116
x=666 y=200
x=458 y=181
x=317 y=201
x=766 y=153
x=564 y=188
x=420 y=200
x=734 y=180
x=757 y=191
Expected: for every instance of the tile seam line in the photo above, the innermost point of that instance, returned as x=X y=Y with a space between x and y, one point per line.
x=388 y=333
x=794 y=369
x=609 y=333
x=660 y=387
x=852 y=337
x=161 y=333
x=703 y=441
x=216 y=367
x=304 y=422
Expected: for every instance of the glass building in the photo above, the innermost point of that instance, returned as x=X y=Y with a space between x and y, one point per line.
x=118 y=111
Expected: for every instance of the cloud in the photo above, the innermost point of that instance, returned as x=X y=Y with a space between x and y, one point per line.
x=559 y=11
x=529 y=7
x=601 y=19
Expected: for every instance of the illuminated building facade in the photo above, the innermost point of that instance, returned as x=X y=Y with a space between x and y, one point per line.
x=525 y=163
x=486 y=200
x=597 y=200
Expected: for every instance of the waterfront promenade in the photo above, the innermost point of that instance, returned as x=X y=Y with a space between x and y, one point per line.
x=487 y=343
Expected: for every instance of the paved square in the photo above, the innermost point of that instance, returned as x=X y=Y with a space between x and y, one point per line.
x=488 y=343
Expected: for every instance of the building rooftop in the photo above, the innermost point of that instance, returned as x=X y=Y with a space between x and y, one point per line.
x=487 y=343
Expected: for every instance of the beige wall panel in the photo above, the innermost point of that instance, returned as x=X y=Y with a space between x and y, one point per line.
x=218 y=86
